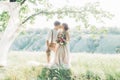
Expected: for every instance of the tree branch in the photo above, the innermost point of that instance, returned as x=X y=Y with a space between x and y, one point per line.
x=33 y=15
x=43 y=12
x=22 y=2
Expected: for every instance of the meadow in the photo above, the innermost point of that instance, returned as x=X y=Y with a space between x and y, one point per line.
x=84 y=66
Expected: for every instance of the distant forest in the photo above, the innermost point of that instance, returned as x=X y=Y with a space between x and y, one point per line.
x=81 y=41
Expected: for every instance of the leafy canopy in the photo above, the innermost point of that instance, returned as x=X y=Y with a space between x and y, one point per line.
x=29 y=9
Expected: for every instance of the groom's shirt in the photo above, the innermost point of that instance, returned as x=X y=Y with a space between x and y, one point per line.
x=55 y=33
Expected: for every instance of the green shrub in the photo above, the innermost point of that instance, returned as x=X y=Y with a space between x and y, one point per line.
x=55 y=74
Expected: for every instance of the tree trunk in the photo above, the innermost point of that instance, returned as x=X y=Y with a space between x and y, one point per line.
x=10 y=32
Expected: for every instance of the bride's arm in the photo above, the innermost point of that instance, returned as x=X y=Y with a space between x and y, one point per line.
x=67 y=36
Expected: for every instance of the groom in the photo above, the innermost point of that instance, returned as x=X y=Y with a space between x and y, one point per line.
x=51 y=40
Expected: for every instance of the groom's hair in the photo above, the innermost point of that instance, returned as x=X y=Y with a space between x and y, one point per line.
x=56 y=23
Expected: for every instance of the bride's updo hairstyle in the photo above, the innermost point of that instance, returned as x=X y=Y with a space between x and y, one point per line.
x=65 y=25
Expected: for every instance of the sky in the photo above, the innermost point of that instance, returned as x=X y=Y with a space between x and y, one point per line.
x=112 y=6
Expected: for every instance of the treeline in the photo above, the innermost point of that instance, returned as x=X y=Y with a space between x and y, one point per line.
x=34 y=40
x=102 y=30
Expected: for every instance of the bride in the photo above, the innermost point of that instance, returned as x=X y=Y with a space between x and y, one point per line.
x=62 y=50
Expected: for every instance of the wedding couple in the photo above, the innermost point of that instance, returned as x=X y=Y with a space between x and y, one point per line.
x=58 y=44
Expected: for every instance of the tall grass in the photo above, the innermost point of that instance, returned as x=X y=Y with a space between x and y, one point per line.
x=84 y=66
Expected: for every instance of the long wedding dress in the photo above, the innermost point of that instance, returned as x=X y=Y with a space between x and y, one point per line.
x=62 y=58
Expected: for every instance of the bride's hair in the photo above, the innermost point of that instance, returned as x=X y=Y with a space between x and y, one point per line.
x=65 y=26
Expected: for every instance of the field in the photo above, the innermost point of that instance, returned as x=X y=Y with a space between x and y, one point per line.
x=84 y=66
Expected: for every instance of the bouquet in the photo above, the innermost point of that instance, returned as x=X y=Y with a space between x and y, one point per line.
x=61 y=39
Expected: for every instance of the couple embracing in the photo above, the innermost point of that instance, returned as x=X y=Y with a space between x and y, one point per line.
x=58 y=43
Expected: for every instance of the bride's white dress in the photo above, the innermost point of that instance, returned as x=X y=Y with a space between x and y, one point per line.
x=62 y=57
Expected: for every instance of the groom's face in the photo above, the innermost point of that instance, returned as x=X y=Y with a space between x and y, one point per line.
x=58 y=26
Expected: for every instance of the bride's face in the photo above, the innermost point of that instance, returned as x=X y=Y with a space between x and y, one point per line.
x=62 y=27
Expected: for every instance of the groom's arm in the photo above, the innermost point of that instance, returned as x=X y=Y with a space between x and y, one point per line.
x=48 y=38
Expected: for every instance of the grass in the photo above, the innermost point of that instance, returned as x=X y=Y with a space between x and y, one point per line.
x=84 y=66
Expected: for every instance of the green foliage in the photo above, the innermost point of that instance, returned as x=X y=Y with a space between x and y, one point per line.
x=4 y=18
x=55 y=74
x=117 y=50
x=79 y=14
x=114 y=30
x=19 y=0
x=103 y=30
x=24 y=10
x=32 y=1
x=93 y=29
x=92 y=44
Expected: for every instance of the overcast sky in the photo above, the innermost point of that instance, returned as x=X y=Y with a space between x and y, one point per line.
x=112 y=6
